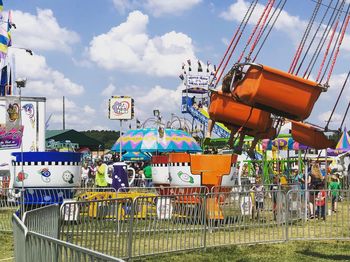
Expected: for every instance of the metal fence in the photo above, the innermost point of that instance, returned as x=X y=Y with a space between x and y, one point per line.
x=153 y=224
x=33 y=246
x=145 y=223
x=20 y=201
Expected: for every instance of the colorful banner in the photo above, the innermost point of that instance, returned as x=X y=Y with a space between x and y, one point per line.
x=284 y=143
x=10 y=139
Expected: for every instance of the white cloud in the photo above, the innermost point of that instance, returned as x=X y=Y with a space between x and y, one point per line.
x=43 y=80
x=156 y=7
x=335 y=121
x=108 y=91
x=128 y=47
x=170 y=7
x=89 y=110
x=292 y=25
x=154 y=99
x=42 y=32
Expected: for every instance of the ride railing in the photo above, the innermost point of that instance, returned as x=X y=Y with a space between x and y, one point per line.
x=34 y=246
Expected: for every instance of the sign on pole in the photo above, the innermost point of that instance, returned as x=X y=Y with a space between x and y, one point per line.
x=121 y=108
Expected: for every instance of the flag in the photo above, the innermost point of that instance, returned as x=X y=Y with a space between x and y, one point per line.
x=9 y=26
x=1 y=6
x=208 y=64
x=200 y=69
x=4 y=41
x=138 y=123
x=5 y=82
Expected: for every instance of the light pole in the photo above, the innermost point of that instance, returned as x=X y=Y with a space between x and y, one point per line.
x=21 y=83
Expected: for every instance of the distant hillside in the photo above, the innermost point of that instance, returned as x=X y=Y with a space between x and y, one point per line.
x=106 y=136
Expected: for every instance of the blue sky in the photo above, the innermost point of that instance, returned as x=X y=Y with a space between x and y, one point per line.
x=89 y=50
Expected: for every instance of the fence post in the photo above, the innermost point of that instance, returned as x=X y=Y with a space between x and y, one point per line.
x=205 y=222
x=287 y=214
x=131 y=227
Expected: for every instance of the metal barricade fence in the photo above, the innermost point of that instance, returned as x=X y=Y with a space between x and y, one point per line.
x=43 y=220
x=245 y=217
x=99 y=225
x=189 y=219
x=31 y=246
x=167 y=223
x=322 y=219
x=19 y=238
x=40 y=248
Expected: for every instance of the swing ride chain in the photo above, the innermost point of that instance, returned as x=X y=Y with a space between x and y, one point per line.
x=272 y=26
x=314 y=37
x=244 y=22
x=337 y=45
x=323 y=39
x=254 y=31
x=336 y=103
x=262 y=26
x=303 y=39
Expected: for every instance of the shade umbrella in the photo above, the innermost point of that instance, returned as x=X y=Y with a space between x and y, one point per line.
x=157 y=140
x=343 y=145
x=136 y=156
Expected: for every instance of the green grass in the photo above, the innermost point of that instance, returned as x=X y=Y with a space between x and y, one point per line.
x=6 y=246
x=292 y=251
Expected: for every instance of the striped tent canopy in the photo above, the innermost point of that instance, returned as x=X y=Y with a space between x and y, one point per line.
x=343 y=145
x=156 y=140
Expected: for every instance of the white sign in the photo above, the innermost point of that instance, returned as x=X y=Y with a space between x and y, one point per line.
x=164 y=208
x=198 y=81
x=246 y=205
x=69 y=211
x=121 y=108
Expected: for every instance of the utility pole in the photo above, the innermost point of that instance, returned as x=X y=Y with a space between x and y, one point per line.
x=64 y=118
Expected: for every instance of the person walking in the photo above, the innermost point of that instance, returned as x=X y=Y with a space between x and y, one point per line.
x=100 y=178
x=334 y=188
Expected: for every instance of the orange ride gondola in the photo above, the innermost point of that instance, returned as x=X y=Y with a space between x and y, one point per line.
x=224 y=109
x=276 y=91
x=311 y=136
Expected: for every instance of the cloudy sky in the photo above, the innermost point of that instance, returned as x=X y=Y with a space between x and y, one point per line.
x=89 y=50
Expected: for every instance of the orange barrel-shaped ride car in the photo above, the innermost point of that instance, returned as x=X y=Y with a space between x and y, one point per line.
x=223 y=108
x=311 y=136
x=277 y=92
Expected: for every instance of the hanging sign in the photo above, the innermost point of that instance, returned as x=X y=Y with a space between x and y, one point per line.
x=13 y=112
x=197 y=81
x=10 y=138
x=121 y=108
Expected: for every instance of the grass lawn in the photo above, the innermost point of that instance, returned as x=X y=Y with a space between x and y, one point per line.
x=6 y=246
x=292 y=251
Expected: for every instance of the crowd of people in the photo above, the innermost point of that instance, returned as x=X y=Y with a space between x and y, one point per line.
x=93 y=173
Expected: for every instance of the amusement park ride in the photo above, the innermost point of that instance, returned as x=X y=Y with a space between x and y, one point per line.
x=254 y=100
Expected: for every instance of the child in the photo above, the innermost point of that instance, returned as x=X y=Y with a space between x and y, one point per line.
x=321 y=202
x=259 y=191
x=334 y=188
